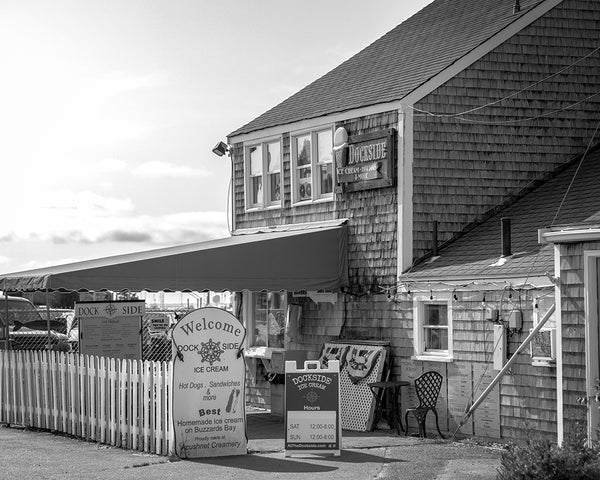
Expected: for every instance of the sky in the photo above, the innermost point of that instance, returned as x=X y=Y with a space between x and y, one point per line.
x=109 y=110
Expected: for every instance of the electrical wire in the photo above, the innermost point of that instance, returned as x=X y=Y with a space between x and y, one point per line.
x=528 y=119
x=589 y=145
x=544 y=115
x=514 y=94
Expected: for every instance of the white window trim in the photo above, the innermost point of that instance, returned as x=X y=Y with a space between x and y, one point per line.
x=419 y=300
x=313 y=165
x=249 y=207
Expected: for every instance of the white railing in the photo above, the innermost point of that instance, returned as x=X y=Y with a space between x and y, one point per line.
x=125 y=403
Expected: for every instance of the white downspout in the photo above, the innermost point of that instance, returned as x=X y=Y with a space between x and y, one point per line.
x=404 y=239
x=559 y=358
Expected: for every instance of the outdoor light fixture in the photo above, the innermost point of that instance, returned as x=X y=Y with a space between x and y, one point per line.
x=221 y=149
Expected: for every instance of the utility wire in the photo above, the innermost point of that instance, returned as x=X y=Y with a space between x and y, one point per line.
x=528 y=119
x=514 y=94
x=590 y=142
x=575 y=174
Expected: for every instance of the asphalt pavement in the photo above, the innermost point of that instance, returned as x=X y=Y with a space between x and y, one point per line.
x=382 y=454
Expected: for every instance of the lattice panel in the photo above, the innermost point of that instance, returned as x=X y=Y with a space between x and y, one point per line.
x=357 y=401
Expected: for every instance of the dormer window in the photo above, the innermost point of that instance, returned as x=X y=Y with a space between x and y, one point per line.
x=312 y=166
x=263 y=175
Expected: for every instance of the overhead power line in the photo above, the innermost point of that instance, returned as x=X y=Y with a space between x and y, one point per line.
x=514 y=94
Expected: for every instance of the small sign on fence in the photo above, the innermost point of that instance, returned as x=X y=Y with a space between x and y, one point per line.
x=312 y=408
x=111 y=329
x=209 y=385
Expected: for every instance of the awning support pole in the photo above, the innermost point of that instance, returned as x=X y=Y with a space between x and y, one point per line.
x=48 y=317
x=6 y=323
x=511 y=360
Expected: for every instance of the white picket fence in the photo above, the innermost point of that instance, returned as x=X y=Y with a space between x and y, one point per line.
x=125 y=403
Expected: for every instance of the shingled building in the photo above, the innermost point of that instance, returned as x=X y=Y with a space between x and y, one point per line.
x=414 y=151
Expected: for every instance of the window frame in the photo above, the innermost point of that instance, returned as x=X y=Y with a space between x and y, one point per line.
x=419 y=303
x=315 y=166
x=250 y=321
x=265 y=175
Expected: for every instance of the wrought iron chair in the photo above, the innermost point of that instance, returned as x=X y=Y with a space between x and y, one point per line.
x=428 y=387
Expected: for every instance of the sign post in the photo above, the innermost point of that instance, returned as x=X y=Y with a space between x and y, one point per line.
x=209 y=372
x=312 y=409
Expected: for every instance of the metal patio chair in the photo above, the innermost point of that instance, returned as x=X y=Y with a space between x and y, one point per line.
x=427 y=387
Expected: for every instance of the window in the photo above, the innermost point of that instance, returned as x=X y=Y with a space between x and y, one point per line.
x=263 y=177
x=312 y=166
x=433 y=327
x=543 y=344
x=266 y=322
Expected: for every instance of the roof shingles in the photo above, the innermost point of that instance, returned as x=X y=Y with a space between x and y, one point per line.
x=475 y=253
x=398 y=62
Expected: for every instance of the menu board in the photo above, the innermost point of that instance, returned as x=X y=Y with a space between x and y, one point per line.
x=110 y=329
x=312 y=404
x=209 y=385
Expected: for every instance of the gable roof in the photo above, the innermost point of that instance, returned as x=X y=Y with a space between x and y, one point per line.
x=474 y=254
x=400 y=61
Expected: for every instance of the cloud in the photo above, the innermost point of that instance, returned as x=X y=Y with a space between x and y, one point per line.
x=97 y=224
x=157 y=169
x=107 y=165
x=120 y=236
x=115 y=83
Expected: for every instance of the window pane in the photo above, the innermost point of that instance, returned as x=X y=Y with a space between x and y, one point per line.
x=325 y=146
x=276 y=328
x=256 y=187
x=261 y=300
x=303 y=150
x=436 y=339
x=260 y=328
x=326 y=179
x=255 y=160
x=274 y=187
x=304 y=184
x=276 y=300
x=436 y=314
x=273 y=157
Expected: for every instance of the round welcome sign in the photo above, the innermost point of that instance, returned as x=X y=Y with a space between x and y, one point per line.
x=208 y=385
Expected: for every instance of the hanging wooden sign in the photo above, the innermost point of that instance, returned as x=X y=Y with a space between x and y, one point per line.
x=368 y=162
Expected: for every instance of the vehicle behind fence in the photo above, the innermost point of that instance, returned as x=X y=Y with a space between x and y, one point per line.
x=125 y=403
x=23 y=328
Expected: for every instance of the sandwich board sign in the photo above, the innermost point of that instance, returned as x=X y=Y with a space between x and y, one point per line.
x=111 y=329
x=312 y=408
x=209 y=416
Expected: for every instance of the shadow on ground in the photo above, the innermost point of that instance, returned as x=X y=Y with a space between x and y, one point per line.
x=293 y=464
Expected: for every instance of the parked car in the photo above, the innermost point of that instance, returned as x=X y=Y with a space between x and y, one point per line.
x=27 y=329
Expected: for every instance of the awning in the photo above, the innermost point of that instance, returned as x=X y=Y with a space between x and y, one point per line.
x=312 y=259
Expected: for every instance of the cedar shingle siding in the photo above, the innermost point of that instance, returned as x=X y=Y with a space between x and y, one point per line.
x=573 y=328
x=463 y=169
x=371 y=244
